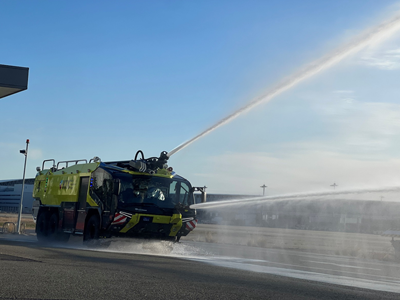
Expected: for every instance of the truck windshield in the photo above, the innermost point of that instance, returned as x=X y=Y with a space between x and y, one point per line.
x=163 y=192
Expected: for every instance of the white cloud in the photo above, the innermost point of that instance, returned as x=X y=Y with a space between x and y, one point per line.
x=386 y=60
x=35 y=153
x=348 y=100
x=361 y=126
x=343 y=92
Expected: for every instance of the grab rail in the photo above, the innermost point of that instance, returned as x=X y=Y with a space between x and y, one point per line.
x=66 y=162
x=54 y=163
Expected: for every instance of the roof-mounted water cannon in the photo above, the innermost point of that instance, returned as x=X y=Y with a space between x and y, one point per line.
x=148 y=165
x=95 y=159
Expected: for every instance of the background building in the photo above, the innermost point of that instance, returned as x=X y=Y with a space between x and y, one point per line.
x=10 y=195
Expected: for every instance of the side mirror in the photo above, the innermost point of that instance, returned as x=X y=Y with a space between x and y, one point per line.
x=202 y=190
x=117 y=187
x=203 y=197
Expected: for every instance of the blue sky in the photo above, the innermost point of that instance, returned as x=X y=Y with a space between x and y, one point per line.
x=107 y=79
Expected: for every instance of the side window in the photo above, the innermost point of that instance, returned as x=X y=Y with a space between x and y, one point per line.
x=184 y=194
x=126 y=192
x=173 y=196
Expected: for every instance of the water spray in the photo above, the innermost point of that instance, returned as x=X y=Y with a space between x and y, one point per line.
x=256 y=200
x=368 y=37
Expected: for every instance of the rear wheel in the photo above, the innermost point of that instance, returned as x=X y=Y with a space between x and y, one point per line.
x=53 y=234
x=92 y=231
x=53 y=227
x=42 y=226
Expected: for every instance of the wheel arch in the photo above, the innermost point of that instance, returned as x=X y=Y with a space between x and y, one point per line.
x=93 y=212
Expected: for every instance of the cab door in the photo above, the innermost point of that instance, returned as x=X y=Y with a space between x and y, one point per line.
x=81 y=212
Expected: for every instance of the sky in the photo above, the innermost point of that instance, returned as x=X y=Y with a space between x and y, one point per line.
x=109 y=78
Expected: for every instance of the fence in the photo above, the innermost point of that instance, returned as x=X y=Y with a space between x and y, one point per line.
x=11 y=227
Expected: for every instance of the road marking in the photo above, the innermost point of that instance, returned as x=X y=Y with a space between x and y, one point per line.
x=314 y=276
x=244 y=261
x=339 y=265
x=387 y=278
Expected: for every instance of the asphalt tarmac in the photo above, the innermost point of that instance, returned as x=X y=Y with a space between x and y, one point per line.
x=31 y=271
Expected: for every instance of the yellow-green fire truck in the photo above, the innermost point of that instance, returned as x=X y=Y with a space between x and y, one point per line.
x=137 y=198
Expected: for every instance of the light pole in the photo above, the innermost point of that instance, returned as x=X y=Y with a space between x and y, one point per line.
x=24 y=152
x=263 y=187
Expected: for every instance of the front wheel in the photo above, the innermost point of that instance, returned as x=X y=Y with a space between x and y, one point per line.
x=92 y=231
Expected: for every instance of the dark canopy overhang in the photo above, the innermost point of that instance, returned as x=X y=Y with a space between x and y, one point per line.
x=12 y=80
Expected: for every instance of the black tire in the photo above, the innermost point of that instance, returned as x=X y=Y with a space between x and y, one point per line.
x=53 y=234
x=52 y=229
x=92 y=231
x=42 y=226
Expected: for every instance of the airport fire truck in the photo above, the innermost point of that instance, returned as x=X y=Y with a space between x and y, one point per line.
x=135 y=198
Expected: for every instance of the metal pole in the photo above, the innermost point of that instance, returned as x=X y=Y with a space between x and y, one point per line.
x=23 y=187
x=263 y=187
